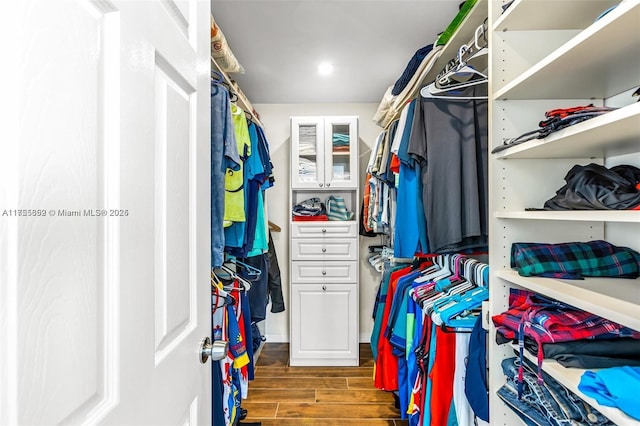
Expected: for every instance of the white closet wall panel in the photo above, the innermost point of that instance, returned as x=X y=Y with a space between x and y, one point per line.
x=585 y=62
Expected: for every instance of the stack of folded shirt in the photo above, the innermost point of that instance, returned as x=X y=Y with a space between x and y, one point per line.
x=311 y=209
x=556 y=119
x=340 y=143
x=545 y=320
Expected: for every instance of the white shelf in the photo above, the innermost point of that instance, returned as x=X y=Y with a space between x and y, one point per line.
x=570 y=378
x=243 y=101
x=629 y=216
x=556 y=54
x=614 y=133
x=567 y=14
x=616 y=299
x=464 y=33
x=599 y=62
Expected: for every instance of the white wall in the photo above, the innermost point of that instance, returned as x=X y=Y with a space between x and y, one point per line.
x=276 y=121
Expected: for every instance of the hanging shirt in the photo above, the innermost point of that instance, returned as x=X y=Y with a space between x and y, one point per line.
x=239 y=236
x=263 y=149
x=406 y=239
x=449 y=139
x=224 y=156
x=463 y=411
x=234 y=181
x=411 y=217
x=225 y=327
x=378 y=310
x=261 y=239
x=414 y=328
x=386 y=371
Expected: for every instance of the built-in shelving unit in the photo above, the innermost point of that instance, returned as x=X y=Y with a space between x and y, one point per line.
x=324 y=253
x=542 y=61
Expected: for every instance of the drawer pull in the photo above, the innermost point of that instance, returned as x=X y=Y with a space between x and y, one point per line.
x=320 y=185
x=324 y=231
x=324 y=288
x=324 y=272
x=324 y=249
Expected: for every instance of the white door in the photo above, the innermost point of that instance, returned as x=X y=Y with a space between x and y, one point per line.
x=104 y=212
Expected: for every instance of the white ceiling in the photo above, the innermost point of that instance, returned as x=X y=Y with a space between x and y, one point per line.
x=281 y=42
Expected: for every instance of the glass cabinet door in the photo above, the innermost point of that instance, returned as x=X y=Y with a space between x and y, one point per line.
x=340 y=158
x=307 y=152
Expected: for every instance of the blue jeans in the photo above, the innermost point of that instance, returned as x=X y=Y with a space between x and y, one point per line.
x=547 y=403
x=528 y=413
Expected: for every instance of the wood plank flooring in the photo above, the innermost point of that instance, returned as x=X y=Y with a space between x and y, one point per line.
x=282 y=395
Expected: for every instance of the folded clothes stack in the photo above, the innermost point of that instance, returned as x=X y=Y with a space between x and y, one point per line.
x=309 y=207
x=556 y=119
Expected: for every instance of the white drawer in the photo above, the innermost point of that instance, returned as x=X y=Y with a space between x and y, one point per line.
x=324 y=272
x=328 y=229
x=324 y=249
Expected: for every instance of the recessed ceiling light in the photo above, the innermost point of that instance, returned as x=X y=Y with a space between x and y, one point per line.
x=325 y=68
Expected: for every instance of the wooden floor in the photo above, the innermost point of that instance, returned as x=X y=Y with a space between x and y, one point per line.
x=324 y=396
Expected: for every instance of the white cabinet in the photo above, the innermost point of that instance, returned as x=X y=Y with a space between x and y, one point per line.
x=542 y=61
x=325 y=324
x=324 y=152
x=324 y=254
x=324 y=295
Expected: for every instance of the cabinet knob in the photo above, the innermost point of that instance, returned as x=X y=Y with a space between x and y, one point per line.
x=324 y=250
x=321 y=185
x=324 y=288
x=328 y=185
x=324 y=230
x=324 y=272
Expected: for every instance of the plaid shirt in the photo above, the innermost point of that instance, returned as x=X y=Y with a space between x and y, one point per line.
x=575 y=260
x=549 y=321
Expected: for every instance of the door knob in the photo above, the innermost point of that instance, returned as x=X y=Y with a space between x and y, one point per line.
x=216 y=350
